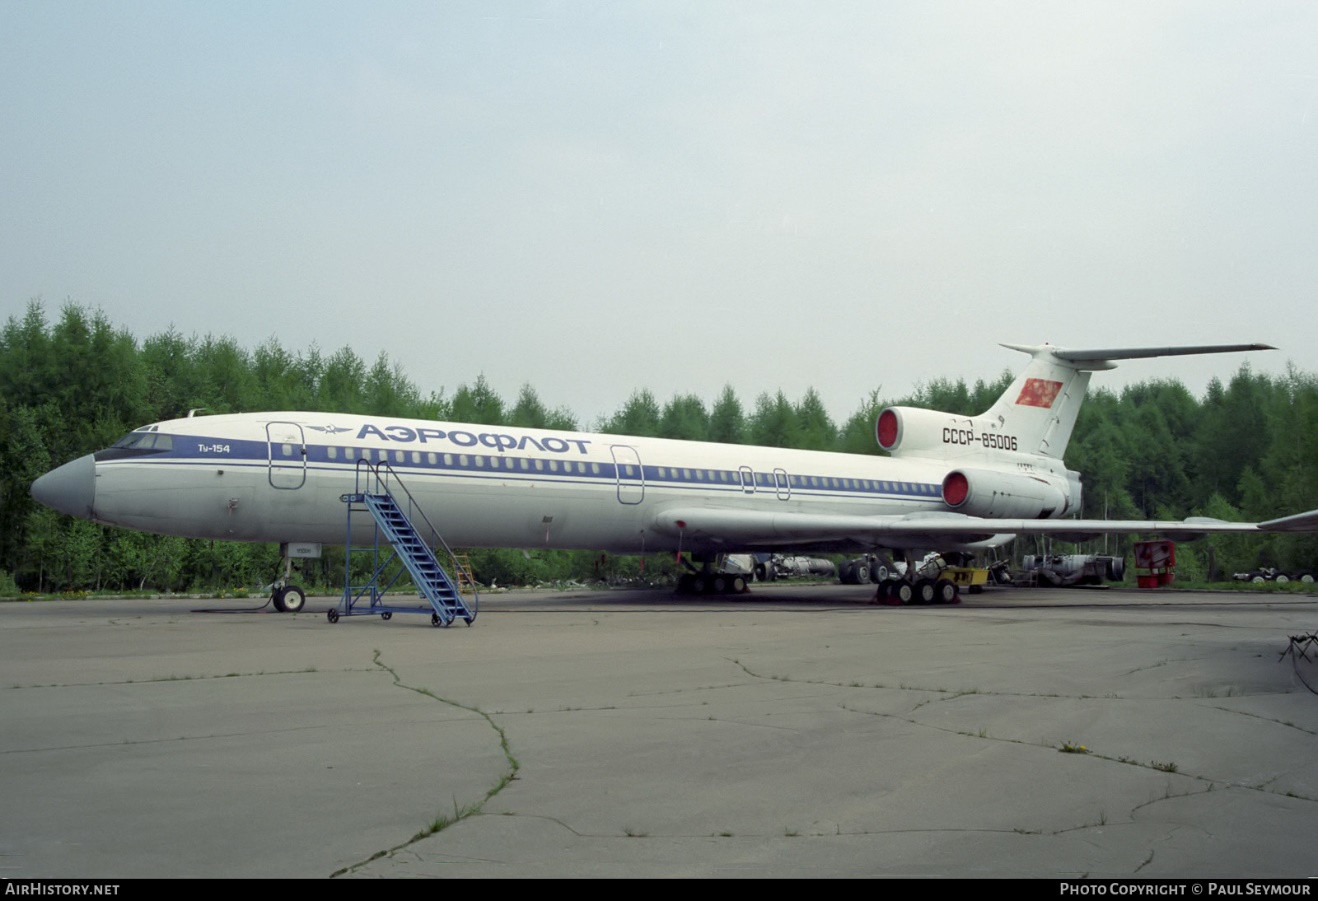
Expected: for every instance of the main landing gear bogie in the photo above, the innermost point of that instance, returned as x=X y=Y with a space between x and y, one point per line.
x=872 y=568
x=923 y=591
x=705 y=583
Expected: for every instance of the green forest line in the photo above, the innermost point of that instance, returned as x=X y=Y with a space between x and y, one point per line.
x=75 y=385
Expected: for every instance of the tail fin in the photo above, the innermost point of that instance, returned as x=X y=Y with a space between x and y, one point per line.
x=1042 y=405
x=1039 y=409
x=1037 y=413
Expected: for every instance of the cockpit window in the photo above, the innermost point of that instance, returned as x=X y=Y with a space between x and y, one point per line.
x=135 y=444
x=146 y=441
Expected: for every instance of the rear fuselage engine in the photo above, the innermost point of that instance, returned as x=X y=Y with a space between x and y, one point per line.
x=1011 y=495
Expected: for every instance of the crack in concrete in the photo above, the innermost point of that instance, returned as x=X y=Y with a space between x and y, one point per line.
x=127 y=743
x=157 y=679
x=1171 y=796
x=951 y=694
x=443 y=821
x=941 y=694
x=1267 y=719
x=677 y=691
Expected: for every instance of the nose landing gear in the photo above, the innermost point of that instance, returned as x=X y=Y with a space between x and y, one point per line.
x=287 y=597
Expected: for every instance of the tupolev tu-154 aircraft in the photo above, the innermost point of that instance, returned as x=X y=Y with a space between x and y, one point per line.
x=951 y=483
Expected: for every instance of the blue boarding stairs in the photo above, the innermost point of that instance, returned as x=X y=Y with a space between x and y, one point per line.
x=398 y=547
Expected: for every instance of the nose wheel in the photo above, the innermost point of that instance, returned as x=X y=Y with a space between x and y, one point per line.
x=289 y=599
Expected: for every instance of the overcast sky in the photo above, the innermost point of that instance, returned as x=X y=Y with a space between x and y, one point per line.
x=595 y=197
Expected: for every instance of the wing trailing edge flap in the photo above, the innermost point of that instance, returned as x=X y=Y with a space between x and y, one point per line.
x=733 y=526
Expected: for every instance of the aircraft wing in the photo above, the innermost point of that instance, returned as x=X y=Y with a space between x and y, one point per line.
x=731 y=527
x=1300 y=522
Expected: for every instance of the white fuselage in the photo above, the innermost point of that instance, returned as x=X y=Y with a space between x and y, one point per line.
x=280 y=477
x=952 y=483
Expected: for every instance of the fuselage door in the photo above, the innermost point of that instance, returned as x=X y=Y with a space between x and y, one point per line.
x=782 y=484
x=631 y=480
x=288 y=454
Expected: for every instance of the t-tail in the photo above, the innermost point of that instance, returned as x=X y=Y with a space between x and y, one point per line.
x=1018 y=444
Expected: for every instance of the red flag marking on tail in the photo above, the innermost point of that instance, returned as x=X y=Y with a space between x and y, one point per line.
x=1038 y=393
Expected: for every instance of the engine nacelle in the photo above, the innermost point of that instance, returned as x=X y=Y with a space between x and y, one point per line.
x=913 y=432
x=909 y=430
x=1009 y=495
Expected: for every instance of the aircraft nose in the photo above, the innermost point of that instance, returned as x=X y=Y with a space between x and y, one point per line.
x=69 y=489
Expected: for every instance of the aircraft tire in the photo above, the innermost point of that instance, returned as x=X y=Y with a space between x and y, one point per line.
x=1282 y=579
x=945 y=591
x=720 y=585
x=924 y=591
x=847 y=575
x=737 y=585
x=881 y=570
x=290 y=600
x=902 y=592
x=862 y=573
x=883 y=594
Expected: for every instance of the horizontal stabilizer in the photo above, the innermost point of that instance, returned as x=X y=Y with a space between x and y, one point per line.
x=1139 y=353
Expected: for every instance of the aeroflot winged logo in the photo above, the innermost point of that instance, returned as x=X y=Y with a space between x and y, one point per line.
x=1038 y=393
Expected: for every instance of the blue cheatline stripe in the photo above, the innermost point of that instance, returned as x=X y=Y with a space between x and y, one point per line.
x=243 y=453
